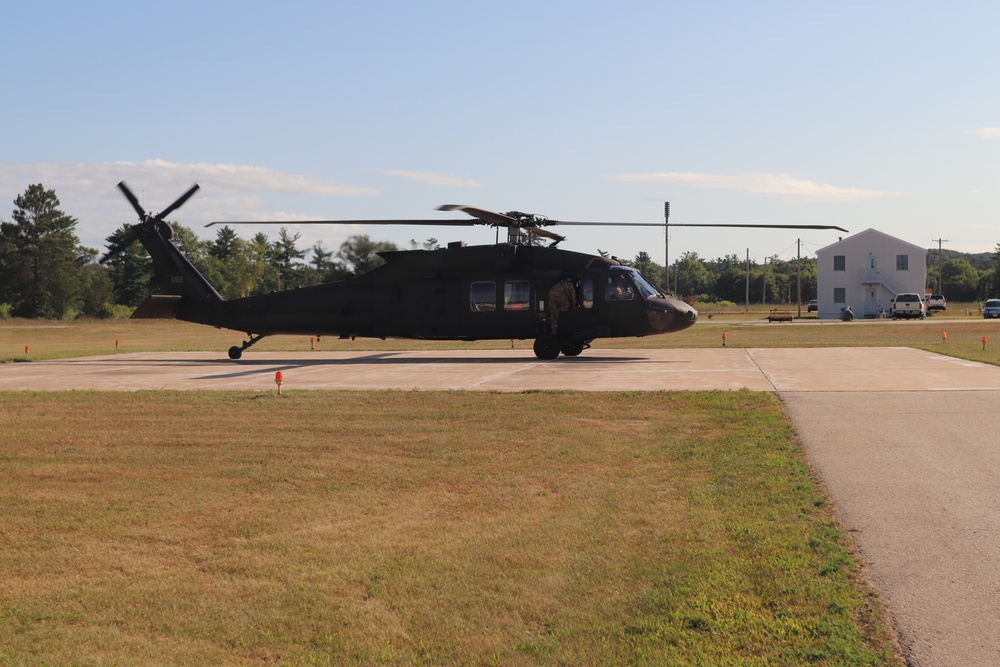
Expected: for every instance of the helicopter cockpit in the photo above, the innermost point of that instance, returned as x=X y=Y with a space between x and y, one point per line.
x=626 y=284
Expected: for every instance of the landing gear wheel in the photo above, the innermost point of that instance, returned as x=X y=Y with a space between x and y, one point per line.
x=236 y=351
x=546 y=347
x=572 y=348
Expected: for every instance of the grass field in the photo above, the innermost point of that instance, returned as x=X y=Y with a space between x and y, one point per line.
x=410 y=528
x=429 y=528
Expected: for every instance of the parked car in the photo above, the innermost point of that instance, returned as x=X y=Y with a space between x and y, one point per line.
x=908 y=305
x=991 y=308
x=812 y=305
x=937 y=302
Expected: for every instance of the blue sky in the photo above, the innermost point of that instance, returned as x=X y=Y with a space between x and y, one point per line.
x=859 y=114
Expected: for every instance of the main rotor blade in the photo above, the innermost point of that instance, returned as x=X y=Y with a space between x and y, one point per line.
x=695 y=224
x=132 y=200
x=690 y=224
x=177 y=204
x=424 y=223
x=601 y=224
x=538 y=231
x=489 y=217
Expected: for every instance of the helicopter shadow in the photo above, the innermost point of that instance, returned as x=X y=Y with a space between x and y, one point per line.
x=257 y=366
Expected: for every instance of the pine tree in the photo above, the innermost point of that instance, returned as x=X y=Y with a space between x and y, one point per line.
x=287 y=259
x=131 y=271
x=40 y=256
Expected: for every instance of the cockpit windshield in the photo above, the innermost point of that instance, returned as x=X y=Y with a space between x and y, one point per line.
x=645 y=287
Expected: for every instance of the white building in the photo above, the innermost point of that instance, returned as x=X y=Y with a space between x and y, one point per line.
x=865 y=272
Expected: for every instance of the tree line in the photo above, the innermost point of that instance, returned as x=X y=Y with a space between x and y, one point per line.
x=45 y=272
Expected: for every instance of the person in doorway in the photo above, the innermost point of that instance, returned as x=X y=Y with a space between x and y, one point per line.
x=562 y=297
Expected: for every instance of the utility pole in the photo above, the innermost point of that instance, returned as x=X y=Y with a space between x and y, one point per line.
x=763 y=299
x=939 y=242
x=748 y=280
x=798 y=272
x=666 y=246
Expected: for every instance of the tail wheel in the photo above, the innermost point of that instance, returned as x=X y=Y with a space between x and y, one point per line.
x=236 y=351
x=546 y=347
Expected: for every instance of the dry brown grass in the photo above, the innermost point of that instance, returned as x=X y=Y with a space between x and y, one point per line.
x=417 y=528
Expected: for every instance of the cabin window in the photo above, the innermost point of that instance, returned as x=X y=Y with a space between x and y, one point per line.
x=840 y=262
x=516 y=295
x=588 y=292
x=902 y=262
x=840 y=295
x=483 y=296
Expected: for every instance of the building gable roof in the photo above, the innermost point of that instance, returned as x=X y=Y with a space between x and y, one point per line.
x=852 y=240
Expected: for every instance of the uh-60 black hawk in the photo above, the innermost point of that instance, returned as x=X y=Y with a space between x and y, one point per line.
x=562 y=299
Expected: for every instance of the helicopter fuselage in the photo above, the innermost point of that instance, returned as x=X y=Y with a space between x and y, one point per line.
x=467 y=293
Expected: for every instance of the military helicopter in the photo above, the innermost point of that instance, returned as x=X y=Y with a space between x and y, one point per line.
x=488 y=292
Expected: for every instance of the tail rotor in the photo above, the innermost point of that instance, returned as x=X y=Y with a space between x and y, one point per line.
x=147 y=221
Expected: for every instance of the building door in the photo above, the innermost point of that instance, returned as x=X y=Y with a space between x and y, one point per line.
x=871 y=303
x=871 y=289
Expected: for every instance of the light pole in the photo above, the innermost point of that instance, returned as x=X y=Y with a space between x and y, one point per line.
x=666 y=246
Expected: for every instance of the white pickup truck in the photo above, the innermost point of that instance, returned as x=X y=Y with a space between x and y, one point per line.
x=908 y=305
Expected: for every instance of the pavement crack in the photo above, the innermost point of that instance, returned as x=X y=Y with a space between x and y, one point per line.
x=762 y=371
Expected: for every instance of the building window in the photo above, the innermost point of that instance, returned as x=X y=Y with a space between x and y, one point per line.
x=483 y=296
x=902 y=262
x=840 y=295
x=516 y=295
x=839 y=263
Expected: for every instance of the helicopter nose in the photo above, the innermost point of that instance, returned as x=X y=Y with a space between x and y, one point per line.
x=691 y=316
x=685 y=316
x=671 y=315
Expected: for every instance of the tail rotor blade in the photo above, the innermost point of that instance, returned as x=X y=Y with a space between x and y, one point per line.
x=132 y=200
x=131 y=236
x=177 y=204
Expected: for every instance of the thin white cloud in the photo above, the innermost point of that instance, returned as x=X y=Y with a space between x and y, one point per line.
x=87 y=191
x=985 y=132
x=239 y=178
x=170 y=177
x=757 y=183
x=431 y=178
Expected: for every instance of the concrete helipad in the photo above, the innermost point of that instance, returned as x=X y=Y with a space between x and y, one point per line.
x=904 y=440
x=781 y=370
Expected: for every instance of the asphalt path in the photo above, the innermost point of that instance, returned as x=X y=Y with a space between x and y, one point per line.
x=904 y=441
